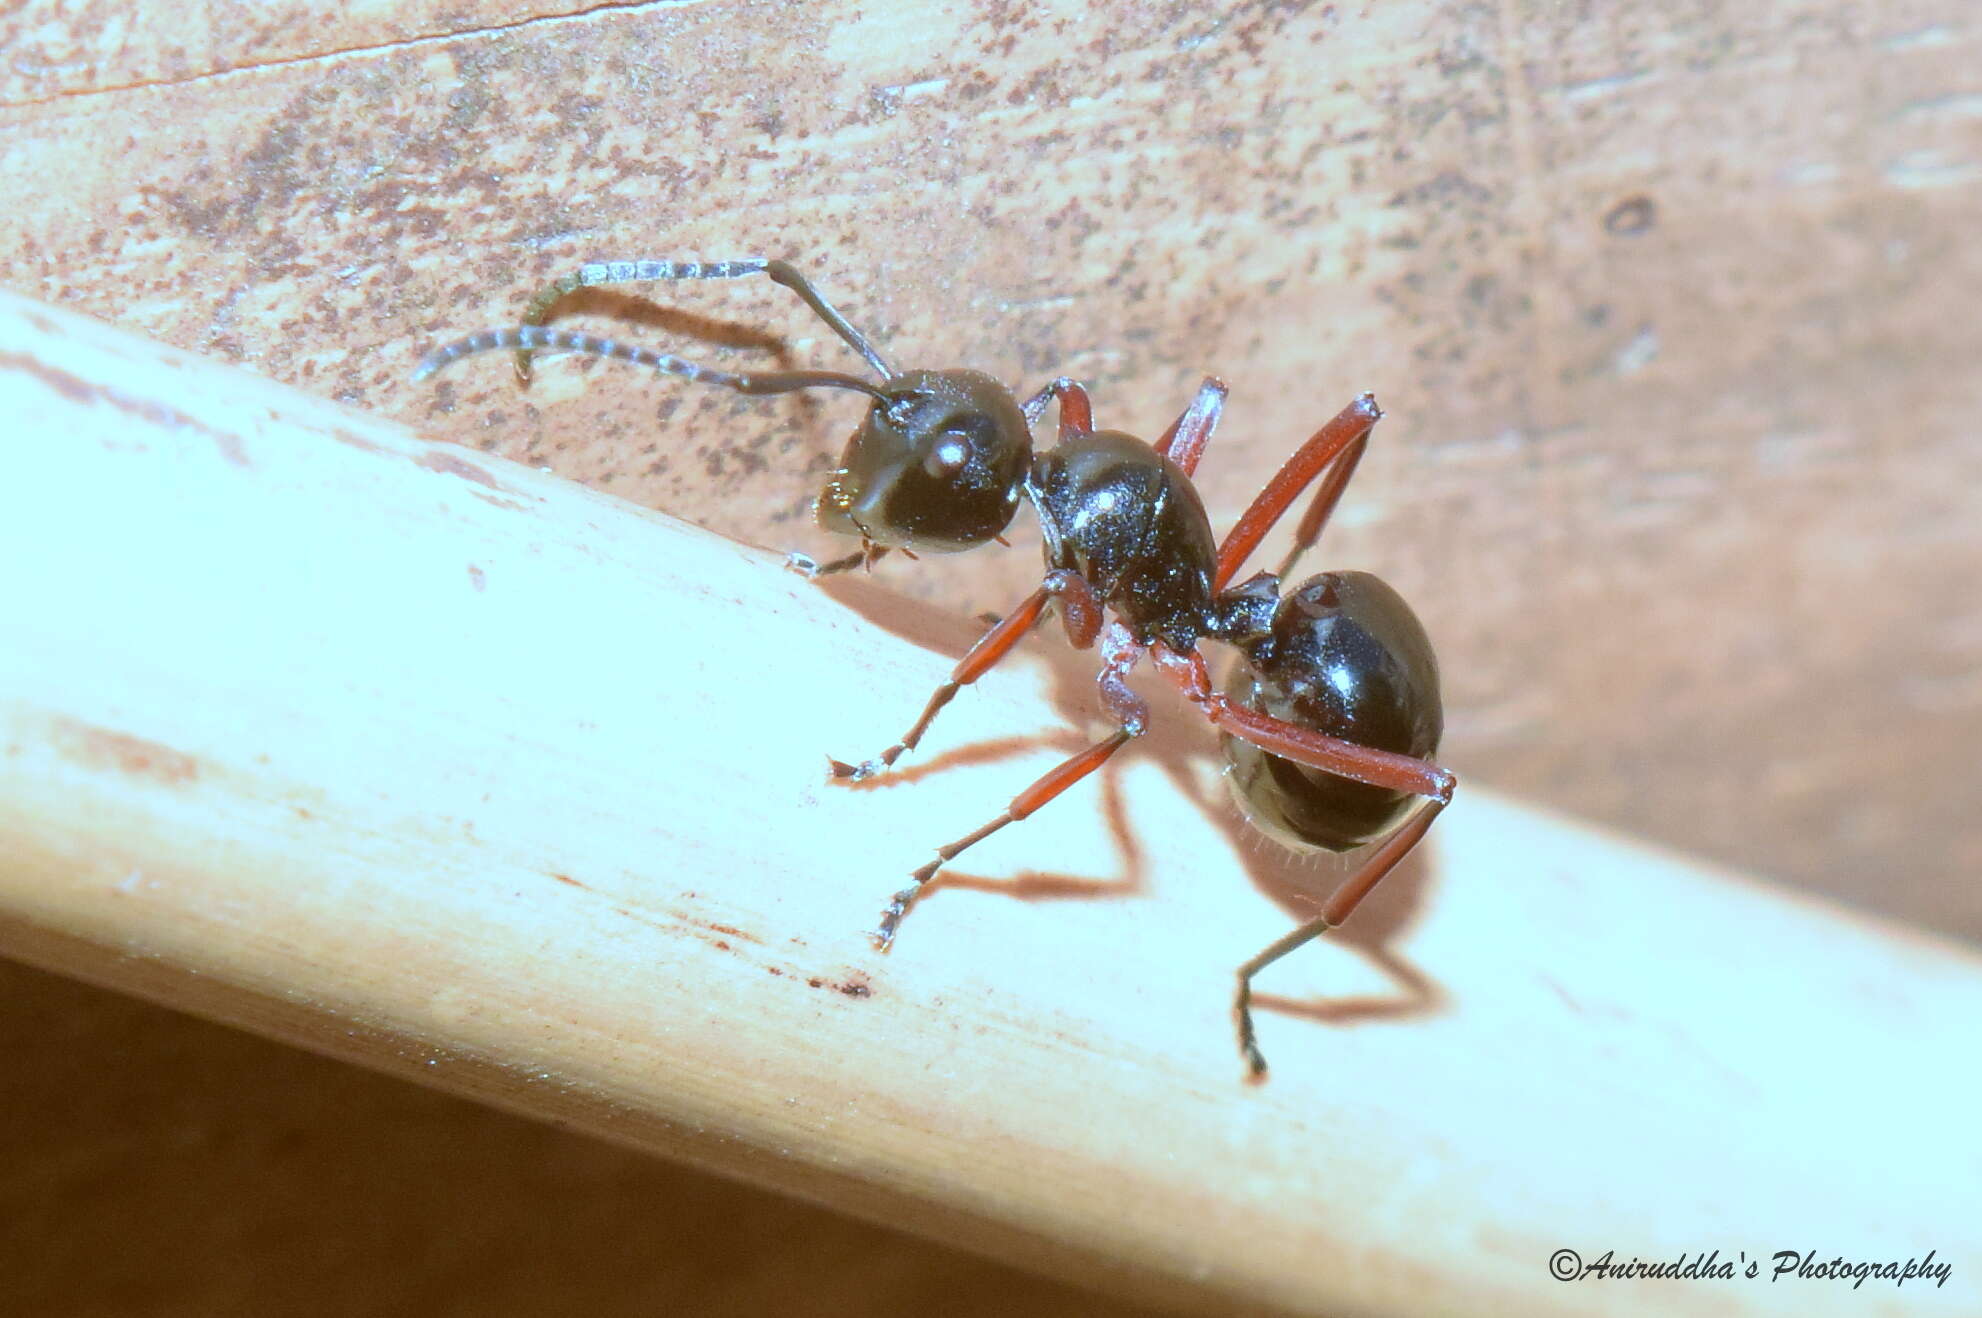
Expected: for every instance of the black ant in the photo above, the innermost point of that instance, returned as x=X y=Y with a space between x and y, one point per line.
x=1328 y=722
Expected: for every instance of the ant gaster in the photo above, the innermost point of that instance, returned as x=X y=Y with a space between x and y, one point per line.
x=1327 y=723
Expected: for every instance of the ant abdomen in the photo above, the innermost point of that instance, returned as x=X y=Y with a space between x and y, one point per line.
x=1345 y=656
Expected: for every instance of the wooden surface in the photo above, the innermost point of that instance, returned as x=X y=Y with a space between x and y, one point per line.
x=1672 y=308
x=289 y=769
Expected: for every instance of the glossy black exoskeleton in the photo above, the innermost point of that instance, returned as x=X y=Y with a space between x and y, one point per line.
x=1129 y=521
x=936 y=467
x=1345 y=656
x=1332 y=713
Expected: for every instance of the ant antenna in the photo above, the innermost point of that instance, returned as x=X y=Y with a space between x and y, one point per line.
x=536 y=337
x=784 y=272
x=633 y=272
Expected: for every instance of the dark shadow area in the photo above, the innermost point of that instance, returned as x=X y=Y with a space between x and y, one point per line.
x=884 y=607
x=1300 y=882
x=156 y=1164
x=1178 y=739
x=662 y=325
x=667 y=323
x=1130 y=881
x=914 y=768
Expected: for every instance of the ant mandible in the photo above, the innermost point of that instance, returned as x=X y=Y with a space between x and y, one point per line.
x=1327 y=724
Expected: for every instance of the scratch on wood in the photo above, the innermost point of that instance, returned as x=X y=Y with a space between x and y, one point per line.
x=1955 y=105
x=1543 y=379
x=1918 y=38
x=75 y=389
x=1595 y=87
x=447 y=464
x=1636 y=355
x=1926 y=169
x=103 y=748
x=908 y=91
x=350 y=52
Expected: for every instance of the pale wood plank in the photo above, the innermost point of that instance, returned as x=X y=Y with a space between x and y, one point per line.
x=438 y=764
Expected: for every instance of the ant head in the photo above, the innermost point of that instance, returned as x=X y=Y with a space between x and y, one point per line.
x=937 y=466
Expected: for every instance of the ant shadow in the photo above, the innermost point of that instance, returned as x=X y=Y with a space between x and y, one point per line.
x=1174 y=743
x=1297 y=882
x=665 y=321
x=931 y=629
x=632 y=309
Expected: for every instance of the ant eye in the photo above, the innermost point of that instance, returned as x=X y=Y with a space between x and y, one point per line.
x=947 y=458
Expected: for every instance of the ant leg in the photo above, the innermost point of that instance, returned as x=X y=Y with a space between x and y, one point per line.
x=1327 y=444
x=595 y=273
x=1123 y=705
x=1079 y=610
x=1333 y=914
x=1363 y=764
x=811 y=568
x=1076 y=412
x=1290 y=741
x=1185 y=440
x=1324 y=503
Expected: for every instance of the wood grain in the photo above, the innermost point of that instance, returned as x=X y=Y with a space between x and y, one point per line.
x=289 y=768
x=1672 y=310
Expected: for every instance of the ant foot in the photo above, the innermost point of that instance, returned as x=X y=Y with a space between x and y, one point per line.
x=858 y=773
x=891 y=917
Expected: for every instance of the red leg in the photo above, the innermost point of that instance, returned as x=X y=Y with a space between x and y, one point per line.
x=1352 y=423
x=1324 y=503
x=1363 y=764
x=1079 y=610
x=1185 y=440
x=1346 y=898
x=1076 y=412
x=1122 y=652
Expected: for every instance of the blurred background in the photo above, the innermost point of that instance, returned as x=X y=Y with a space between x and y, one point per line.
x=1673 y=314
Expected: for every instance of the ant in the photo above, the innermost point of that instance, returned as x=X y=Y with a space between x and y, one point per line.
x=1327 y=724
